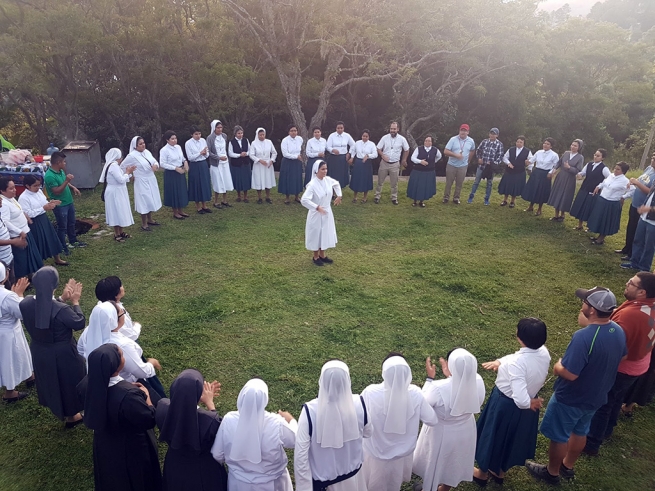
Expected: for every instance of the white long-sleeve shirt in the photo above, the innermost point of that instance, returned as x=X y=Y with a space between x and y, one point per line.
x=135 y=367
x=518 y=151
x=544 y=160
x=13 y=216
x=193 y=148
x=614 y=187
x=314 y=147
x=416 y=160
x=291 y=147
x=262 y=150
x=368 y=149
x=33 y=203
x=171 y=157
x=521 y=375
x=236 y=155
x=341 y=142
x=606 y=171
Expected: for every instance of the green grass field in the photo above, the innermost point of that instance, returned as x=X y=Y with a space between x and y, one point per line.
x=235 y=295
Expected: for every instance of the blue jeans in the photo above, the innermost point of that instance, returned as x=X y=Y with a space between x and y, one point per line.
x=604 y=421
x=65 y=216
x=478 y=178
x=643 y=247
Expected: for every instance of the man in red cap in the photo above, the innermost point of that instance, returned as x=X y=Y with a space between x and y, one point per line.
x=459 y=150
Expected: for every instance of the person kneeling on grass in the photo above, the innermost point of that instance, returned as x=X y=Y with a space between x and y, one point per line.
x=584 y=376
x=508 y=425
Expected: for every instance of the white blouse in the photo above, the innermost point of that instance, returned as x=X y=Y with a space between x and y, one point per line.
x=262 y=150
x=614 y=187
x=606 y=171
x=236 y=155
x=521 y=375
x=13 y=216
x=219 y=146
x=143 y=162
x=340 y=142
x=171 y=157
x=367 y=149
x=193 y=148
x=135 y=367
x=291 y=147
x=518 y=151
x=545 y=160
x=416 y=160
x=116 y=177
x=314 y=147
x=33 y=203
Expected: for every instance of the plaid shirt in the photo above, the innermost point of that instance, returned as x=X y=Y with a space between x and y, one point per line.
x=491 y=152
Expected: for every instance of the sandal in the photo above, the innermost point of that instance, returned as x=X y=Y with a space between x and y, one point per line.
x=126 y=236
x=245 y=200
x=364 y=201
x=287 y=203
x=226 y=204
x=184 y=215
x=537 y=213
x=297 y=200
x=422 y=205
x=269 y=201
x=146 y=229
x=118 y=238
x=503 y=203
x=217 y=205
x=512 y=205
x=259 y=201
x=178 y=217
x=62 y=263
x=413 y=204
x=154 y=224
x=578 y=228
x=354 y=200
x=238 y=199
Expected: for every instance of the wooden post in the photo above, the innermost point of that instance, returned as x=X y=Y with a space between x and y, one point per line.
x=644 y=157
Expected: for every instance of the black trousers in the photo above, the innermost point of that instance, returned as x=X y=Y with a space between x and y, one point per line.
x=633 y=221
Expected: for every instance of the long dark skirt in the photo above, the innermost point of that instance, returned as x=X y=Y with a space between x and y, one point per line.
x=175 y=191
x=338 y=169
x=511 y=184
x=241 y=177
x=643 y=390
x=185 y=469
x=605 y=218
x=28 y=260
x=537 y=190
x=561 y=196
x=362 y=178
x=200 y=184
x=583 y=205
x=45 y=236
x=290 y=181
x=422 y=185
x=58 y=368
x=308 y=169
x=507 y=435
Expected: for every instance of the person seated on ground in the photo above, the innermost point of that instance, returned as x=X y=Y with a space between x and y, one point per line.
x=445 y=453
x=328 y=453
x=189 y=432
x=15 y=356
x=122 y=418
x=111 y=289
x=395 y=408
x=251 y=441
x=509 y=423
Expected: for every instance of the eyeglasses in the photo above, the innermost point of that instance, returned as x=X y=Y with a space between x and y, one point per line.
x=632 y=283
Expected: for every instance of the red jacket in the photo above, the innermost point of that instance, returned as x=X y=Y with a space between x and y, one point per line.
x=637 y=318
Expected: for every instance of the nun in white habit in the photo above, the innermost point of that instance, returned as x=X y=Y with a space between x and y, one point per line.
x=117 y=202
x=251 y=441
x=219 y=165
x=147 y=199
x=103 y=320
x=329 y=454
x=320 y=232
x=395 y=408
x=15 y=356
x=445 y=453
x=263 y=155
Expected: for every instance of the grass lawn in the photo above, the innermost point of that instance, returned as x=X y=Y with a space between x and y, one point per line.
x=235 y=295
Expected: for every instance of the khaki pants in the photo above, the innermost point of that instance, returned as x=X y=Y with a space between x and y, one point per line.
x=391 y=170
x=457 y=175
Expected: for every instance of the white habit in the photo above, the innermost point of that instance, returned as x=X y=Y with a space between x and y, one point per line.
x=146 y=189
x=320 y=232
x=117 y=201
x=445 y=453
x=15 y=355
x=263 y=174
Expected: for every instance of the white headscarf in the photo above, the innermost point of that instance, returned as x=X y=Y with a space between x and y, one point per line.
x=251 y=404
x=464 y=385
x=133 y=143
x=110 y=157
x=397 y=376
x=336 y=419
x=214 y=123
x=257 y=134
x=102 y=321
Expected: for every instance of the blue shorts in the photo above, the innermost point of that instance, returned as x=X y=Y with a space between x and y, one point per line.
x=561 y=420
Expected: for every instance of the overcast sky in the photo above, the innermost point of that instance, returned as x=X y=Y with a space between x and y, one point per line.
x=578 y=7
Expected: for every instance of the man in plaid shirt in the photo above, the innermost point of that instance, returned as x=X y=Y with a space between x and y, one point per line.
x=489 y=152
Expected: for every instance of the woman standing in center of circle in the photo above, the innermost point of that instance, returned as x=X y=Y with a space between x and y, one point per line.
x=363 y=155
x=291 y=168
x=263 y=155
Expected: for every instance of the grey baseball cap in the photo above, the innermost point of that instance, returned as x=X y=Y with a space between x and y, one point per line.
x=495 y=131
x=600 y=298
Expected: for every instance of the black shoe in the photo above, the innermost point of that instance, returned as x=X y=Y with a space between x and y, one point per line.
x=206 y=210
x=445 y=200
x=455 y=201
x=218 y=206
x=326 y=260
x=20 y=396
x=620 y=251
x=30 y=383
x=259 y=201
x=591 y=452
x=394 y=201
x=480 y=482
x=377 y=201
x=201 y=211
x=317 y=262
x=269 y=201
x=625 y=258
x=79 y=244
x=566 y=473
x=540 y=472
x=226 y=205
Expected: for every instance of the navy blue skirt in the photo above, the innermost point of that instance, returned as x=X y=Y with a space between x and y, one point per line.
x=241 y=177
x=45 y=237
x=583 y=205
x=200 y=184
x=537 y=190
x=605 y=218
x=308 y=169
x=290 y=181
x=362 y=178
x=507 y=435
x=512 y=184
x=175 y=191
x=422 y=185
x=28 y=260
x=338 y=169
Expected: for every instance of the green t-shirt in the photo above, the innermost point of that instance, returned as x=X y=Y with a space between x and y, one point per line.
x=54 y=179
